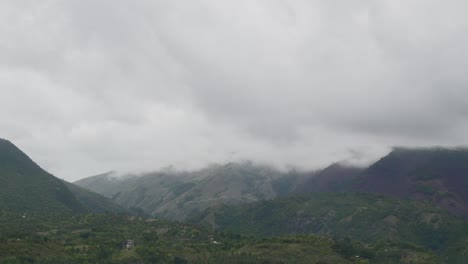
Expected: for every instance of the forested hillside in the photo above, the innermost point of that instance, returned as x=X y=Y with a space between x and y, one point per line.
x=25 y=187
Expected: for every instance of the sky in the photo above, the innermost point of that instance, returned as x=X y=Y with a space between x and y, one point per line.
x=88 y=86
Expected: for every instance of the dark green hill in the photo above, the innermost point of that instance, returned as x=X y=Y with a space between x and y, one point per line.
x=362 y=216
x=435 y=175
x=25 y=187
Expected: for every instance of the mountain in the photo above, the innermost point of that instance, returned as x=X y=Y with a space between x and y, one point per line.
x=435 y=175
x=94 y=202
x=26 y=187
x=363 y=216
x=176 y=195
x=223 y=184
x=333 y=178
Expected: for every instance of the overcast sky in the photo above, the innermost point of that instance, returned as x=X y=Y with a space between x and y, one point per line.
x=88 y=86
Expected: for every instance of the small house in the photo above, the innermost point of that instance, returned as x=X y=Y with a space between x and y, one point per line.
x=129 y=244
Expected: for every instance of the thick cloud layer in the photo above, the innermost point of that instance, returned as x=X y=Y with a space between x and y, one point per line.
x=88 y=86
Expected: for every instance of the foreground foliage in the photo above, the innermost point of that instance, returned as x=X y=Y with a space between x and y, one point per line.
x=35 y=238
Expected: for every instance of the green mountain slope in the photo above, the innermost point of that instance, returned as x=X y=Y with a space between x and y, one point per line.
x=223 y=184
x=148 y=191
x=94 y=202
x=176 y=195
x=105 y=184
x=336 y=177
x=25 y=187
x=361 y=216
x=435 y=175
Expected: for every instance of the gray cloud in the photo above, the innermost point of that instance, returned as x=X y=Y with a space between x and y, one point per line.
x=89 y=86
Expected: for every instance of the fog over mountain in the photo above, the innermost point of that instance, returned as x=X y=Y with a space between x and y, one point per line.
x=89 y=86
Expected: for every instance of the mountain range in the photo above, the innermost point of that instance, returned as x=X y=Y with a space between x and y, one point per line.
x=176 y=195
x=414 y=199
x=434 y=175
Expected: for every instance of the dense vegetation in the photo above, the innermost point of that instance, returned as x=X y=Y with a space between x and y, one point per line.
x=362 y=216
x=35 y=238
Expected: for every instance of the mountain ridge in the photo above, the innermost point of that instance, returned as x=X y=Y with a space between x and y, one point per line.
x=26 y=187
x=436 y=175
x=175 y=195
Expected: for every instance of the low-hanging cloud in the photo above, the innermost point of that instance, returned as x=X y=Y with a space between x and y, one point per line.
x=89 y=86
